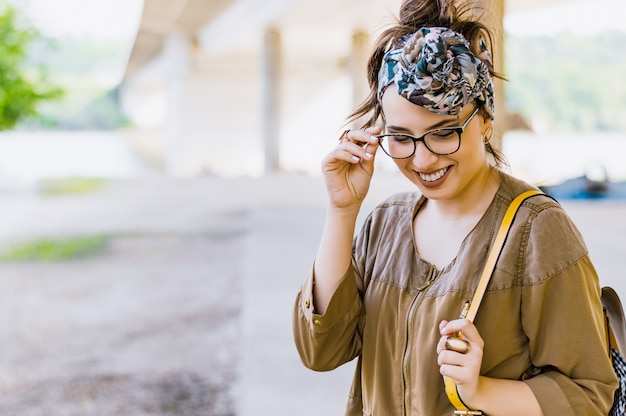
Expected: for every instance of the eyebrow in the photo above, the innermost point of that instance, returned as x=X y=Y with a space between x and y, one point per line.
x=442 y=123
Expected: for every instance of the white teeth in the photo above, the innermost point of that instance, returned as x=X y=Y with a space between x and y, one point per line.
x=433 y=176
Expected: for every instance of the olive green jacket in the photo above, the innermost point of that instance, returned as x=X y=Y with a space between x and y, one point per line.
x=541 y=318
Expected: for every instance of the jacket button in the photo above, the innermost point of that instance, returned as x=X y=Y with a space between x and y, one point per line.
x=307 y=303
x=317 y=322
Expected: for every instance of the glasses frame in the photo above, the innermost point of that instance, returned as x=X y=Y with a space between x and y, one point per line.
x=458 y=129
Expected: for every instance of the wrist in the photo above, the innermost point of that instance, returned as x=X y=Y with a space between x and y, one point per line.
x=474 y=397
x=349 y=212
x=500 y=396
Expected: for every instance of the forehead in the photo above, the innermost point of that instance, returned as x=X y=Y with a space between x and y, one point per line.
x=399 y=111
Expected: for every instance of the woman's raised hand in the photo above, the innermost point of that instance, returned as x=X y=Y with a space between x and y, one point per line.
x=460 y=355
x=349 y=167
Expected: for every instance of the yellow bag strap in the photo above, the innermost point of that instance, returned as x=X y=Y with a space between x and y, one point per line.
x=490 y=264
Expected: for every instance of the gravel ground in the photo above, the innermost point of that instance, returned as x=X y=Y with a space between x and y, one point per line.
x=147 y=327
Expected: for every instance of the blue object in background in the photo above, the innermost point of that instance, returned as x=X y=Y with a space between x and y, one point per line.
x=585 y=188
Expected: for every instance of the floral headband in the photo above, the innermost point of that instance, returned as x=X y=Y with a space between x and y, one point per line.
x=435 y=69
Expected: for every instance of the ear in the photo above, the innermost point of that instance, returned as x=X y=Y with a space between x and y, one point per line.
x=487 y=126
x=487 y=135
x=487 y=130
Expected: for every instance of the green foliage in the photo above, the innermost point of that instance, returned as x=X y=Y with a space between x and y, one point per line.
x=101 y=113
x=81 y=67
x=568 y=82
x=54 y=250
x=21 y=88
x=72 y=186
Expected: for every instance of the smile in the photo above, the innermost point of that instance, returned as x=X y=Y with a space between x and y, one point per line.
x=432 y=177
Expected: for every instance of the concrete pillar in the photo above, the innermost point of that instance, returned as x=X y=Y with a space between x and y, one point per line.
x=358 y=67
x=271 y=80
x=490 y=13
x=177 y=57
x=496 y=22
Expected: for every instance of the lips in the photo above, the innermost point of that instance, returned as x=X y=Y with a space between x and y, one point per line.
x=432 y=177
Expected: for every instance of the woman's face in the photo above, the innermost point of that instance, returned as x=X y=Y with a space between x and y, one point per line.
x=438 y=177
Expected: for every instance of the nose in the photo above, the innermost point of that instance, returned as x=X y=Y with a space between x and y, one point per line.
x=423 y=158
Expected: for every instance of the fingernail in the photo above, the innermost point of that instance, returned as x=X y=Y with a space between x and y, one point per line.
x=368 y=155
x=355 y=158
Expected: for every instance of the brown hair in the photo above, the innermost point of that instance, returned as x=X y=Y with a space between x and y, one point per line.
x=415 y=14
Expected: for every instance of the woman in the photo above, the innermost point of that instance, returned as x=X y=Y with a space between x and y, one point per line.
x=391 y=297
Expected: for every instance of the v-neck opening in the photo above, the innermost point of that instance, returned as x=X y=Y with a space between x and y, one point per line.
x=420 y=204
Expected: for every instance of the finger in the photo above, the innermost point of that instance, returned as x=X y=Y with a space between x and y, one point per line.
x=350 y=155
x=462 y=368
x=369 y=150
x=456 y=325
x=457 y=344
x=441 y=345
x=362 y=136
x=461 y=326
x=470 y=361
x=454 y=344
x=459 y=373
x=442 y=325
x=452 y=358
x=338 y=159
x=356 y=146
x=355 y=152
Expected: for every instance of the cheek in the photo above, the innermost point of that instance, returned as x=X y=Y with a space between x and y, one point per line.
x=472 y=147
x=473 y=139
x=400 y=163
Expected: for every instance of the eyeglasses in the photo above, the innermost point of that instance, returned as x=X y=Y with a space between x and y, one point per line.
x=442 y=141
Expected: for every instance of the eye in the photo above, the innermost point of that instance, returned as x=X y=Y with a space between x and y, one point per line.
x=442 y=134
x=400 y=138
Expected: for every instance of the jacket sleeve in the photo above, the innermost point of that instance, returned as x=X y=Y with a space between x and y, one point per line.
x=327 y=341
x=563 y=319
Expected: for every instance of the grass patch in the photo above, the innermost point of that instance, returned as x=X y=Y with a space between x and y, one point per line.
x=54 y=250
x=72 y=186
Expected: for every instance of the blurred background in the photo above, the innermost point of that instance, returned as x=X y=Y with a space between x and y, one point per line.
x=161 y=197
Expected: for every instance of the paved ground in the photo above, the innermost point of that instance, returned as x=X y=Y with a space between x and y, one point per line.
x=188 y=310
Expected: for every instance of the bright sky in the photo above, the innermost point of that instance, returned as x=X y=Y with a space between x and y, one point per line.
x=106 y=19
x=97 y=19
x=576 y=16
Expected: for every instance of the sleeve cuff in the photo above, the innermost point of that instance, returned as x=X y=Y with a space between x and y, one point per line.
x=341 y=304
x=550 y=396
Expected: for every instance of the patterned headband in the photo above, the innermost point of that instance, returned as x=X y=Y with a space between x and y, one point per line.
x=435 y=69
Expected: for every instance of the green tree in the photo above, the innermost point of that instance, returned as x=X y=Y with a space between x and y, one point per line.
x=569 y=82
x=21 y=87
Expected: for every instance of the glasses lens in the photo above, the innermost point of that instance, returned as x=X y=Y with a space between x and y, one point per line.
x=397 y=146
x=443 y=141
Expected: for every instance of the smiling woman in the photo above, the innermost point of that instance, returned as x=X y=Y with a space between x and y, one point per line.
x=392 y=296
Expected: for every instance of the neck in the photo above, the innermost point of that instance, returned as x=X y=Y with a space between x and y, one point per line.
x=472 y=201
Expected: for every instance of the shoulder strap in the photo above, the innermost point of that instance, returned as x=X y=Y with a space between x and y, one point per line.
x=494 y=253
x=614 y=314
x=490 y=264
